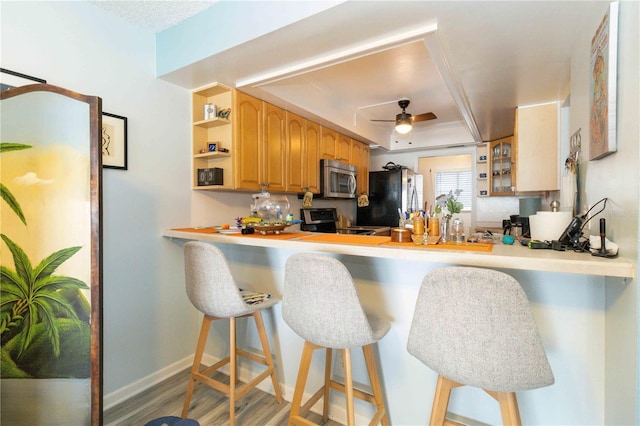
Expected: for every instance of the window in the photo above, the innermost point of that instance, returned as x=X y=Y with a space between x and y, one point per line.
x=452 y=180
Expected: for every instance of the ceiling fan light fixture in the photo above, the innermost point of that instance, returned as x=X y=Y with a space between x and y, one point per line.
x=403 y=125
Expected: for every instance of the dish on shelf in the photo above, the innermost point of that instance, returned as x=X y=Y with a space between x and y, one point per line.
x=227 y=230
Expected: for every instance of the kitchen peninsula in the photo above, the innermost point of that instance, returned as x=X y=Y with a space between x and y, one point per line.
x=501 y=256
x=565 y=289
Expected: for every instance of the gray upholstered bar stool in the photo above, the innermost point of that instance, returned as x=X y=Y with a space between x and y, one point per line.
x=321 y=305
x=474 y=327
x=213 y=291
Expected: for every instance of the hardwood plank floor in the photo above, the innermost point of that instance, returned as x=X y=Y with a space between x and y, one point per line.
x=208 y=406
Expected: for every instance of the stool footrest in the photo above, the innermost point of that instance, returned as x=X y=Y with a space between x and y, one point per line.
x=260 y=359
x=357 y=393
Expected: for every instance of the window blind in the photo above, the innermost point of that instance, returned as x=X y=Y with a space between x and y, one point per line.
x=451 y=180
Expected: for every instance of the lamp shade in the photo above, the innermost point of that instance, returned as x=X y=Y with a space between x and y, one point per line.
x=403 y=123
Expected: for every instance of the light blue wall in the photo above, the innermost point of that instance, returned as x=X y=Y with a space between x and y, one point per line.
x=148 y=323
x=225 y=25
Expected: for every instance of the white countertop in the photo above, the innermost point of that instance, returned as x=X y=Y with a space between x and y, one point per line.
x=502 y=256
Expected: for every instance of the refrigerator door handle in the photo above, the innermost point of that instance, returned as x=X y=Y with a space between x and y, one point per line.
x=414 y=198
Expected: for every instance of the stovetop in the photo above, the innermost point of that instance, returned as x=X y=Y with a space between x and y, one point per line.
x=324 y=220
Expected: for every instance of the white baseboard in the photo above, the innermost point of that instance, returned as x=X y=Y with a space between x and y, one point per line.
x=133 y=389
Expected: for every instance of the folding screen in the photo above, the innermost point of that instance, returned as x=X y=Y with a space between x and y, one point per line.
x=50 y=257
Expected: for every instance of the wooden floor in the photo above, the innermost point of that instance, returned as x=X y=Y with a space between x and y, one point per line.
x=208 y=406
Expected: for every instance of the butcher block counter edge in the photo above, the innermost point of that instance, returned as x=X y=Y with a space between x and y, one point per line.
x=502 y=256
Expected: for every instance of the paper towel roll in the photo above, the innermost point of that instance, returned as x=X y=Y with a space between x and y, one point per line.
x=548 y=226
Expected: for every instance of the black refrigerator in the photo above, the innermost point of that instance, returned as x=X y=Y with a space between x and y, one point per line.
x=389 y=191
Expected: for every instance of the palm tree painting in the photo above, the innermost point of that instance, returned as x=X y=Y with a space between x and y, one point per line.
x=44 y=318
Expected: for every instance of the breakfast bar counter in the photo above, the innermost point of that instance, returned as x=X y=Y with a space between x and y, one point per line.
x=504 y=256
x=569 y=294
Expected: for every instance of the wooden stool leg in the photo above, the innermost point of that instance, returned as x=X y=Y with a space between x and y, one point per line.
x=233 y=371
x=303 y=372
x=197 y=359
x=509 y=408
x=327 y=384
x=262 y=333
x=375 y=383
x=348 y=382
x=441 y=400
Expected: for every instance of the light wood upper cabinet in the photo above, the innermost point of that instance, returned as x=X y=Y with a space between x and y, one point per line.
x=536 y=135
x=311 y=157
x=328 y=144
x=303 y=153
x=268 y=146
x=360 y=158
x=502 y=153
x=274 y=148
x=248 y=135
x=260 y=148
x=343 y=149
x=296 y=140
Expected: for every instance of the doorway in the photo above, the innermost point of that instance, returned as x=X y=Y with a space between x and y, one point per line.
x=451 y=172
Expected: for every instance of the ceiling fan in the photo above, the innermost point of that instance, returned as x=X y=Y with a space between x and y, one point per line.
x=404 y=121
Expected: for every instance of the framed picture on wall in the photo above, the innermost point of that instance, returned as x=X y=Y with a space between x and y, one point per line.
x=114 y=141
x=9 y=79
x=602 y=94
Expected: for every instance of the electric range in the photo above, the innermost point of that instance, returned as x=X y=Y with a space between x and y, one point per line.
x=324 y=220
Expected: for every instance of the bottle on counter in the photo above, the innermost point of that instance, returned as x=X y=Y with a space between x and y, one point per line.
x=434 y=226
x=418 y=225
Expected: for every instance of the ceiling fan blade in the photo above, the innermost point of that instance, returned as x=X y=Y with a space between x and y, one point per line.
x=424 y=117
x=388 y=121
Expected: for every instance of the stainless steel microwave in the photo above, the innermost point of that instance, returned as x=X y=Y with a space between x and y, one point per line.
x=337 y=179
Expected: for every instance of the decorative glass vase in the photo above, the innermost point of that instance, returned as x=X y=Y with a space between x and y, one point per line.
x=445 y=229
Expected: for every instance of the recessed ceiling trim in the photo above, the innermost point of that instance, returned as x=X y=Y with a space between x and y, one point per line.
x=439 y=55
x=338 y=57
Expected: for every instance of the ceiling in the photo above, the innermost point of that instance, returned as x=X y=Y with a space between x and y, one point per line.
x=154 y=15
x=470 y=63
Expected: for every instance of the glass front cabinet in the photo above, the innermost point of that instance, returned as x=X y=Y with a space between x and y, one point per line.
x=503 y=174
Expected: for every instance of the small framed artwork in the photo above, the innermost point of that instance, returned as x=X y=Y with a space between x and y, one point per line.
x=10 y=79
x=114 y=141
x=604 y=74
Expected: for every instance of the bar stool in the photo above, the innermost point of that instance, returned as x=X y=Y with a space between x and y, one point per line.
x=474 y=327
x=321 y=305
x=213 y=291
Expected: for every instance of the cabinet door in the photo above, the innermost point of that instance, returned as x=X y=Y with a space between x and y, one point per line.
x=502 y=153
x=274 y=148
x=343 y=149
x=311 y=157
x=537 y=138
x=328 y=144
x=295 y=152
x=247 y=126
x=360 y=159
